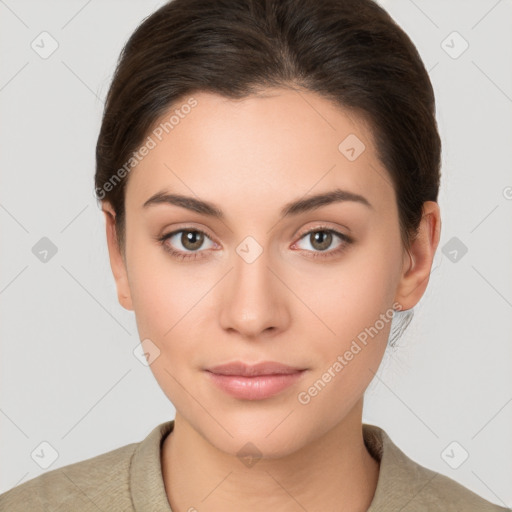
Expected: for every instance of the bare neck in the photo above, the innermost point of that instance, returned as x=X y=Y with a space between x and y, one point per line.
x=334 y=472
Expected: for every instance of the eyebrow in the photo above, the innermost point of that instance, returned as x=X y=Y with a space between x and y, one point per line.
x=293 y=208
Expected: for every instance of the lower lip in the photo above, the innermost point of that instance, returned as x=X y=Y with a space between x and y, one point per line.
x=254 y=388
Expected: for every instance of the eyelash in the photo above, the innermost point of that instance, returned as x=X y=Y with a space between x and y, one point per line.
x=346 y=240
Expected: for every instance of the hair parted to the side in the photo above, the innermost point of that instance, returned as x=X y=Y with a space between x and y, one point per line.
x=349 y=51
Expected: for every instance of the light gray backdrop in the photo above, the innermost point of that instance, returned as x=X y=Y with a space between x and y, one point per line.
x=68 y=374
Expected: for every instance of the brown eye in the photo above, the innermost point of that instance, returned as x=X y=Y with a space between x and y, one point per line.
x=192 y=240
x=185 y=243
x=320 y=240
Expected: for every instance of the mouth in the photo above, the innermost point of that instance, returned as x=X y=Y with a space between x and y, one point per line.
x=242 y=369
x=254 y=382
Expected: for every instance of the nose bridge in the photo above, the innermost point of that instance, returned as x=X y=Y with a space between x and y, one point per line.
x=251 y=300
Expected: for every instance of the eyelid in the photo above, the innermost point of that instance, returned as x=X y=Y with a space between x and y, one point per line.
x=325 y=227
x=187 y=227
x=168 y=236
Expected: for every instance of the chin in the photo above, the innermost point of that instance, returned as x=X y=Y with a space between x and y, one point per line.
x=266 y=436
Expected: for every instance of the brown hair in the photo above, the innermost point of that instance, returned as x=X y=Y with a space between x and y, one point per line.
x=349 y=51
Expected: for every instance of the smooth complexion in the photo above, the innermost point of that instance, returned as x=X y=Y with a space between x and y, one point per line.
x=300 y=303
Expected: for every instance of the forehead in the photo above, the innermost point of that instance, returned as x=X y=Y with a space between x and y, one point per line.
x=264 y=148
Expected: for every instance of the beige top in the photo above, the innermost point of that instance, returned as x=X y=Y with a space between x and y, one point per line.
x=130 y=479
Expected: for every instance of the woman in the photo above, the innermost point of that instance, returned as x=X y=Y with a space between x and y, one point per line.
x=269 y=174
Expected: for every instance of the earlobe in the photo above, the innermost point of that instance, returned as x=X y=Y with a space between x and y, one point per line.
x=415 y=274
x=117 y=262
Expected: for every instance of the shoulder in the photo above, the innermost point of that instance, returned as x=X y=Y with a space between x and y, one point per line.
x=435 y=491
x=405 y=485
x=98 y=483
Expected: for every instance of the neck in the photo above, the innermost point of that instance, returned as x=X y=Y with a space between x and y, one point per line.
x=333 y=472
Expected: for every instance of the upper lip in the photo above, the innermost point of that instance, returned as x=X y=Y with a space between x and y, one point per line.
x=246 y=370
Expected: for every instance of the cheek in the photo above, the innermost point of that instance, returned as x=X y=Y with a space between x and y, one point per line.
x=356 y=303
x=354 y=300
x=350 y=296
x=169 y=301
x=161 y=292
x=165 y=303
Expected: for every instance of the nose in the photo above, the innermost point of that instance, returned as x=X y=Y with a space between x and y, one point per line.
x=254 y=299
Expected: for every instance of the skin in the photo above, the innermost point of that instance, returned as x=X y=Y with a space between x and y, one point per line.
x=251 y=157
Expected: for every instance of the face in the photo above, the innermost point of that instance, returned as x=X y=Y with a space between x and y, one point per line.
x=311 y=287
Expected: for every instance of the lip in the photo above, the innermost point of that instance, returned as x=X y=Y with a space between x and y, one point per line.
x=246 y=370
x=254 y=382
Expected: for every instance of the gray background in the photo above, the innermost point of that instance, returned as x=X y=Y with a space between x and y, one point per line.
x=68 y=373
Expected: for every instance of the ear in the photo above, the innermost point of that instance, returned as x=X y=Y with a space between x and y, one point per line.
x=418 y=260
x=117 y=262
